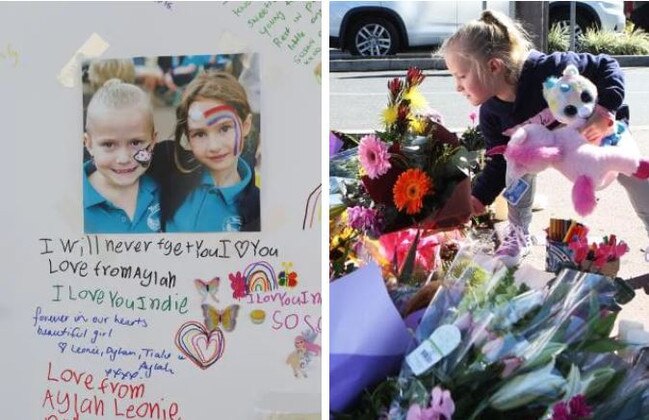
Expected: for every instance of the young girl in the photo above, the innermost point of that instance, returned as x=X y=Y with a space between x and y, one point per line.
x=118 y=197
x=494 y=66
x=214 y=190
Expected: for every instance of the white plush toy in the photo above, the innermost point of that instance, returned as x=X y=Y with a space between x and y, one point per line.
x=533 y=148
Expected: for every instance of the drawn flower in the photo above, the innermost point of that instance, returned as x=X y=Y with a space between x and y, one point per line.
x=292 y=279
x=374 y=156
x=238 y=285
x=410 y=189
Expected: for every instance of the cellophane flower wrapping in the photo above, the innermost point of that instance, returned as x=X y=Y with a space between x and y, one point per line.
x=522 y=350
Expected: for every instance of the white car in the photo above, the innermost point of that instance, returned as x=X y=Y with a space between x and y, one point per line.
x=380 y=28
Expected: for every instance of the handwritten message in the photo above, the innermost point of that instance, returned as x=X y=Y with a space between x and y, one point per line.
x=71 y=392
x=292 y=307
x=9 y=55
x=289 y=26
x=167 y=4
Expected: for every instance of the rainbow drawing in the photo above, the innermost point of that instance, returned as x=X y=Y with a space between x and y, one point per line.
x=312 y=207
x=260 y=277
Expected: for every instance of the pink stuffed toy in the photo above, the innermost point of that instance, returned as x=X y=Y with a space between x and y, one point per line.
x=533 y=148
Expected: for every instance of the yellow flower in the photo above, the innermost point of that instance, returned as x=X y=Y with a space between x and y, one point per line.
x=418 y=126
x=361 y=171
x=390 y=115
x=417 y=100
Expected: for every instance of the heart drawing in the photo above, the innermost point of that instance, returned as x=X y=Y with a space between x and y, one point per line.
x=201 y=346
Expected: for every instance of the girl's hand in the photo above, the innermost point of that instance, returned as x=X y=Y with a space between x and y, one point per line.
x=598 y=125
x=477 y=207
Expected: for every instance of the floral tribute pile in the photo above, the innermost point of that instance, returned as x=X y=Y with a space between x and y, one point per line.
x=415 y=174
x=489 y=347
x=483 y=345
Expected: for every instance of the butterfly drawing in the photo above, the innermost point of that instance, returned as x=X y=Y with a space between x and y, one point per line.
x=208 y=288
x=226 y=318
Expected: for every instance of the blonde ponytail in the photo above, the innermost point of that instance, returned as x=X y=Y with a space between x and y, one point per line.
x=493 y=35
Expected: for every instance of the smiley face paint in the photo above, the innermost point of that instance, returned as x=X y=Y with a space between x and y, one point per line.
x=220 y=113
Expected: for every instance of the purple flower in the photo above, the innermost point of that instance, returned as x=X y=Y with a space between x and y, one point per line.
x=374 y=156
x=441 y=407
x=363 y=219
x=578 y=407
x=442 y=402
x=575 y=409
x=335 y=144
x=560 y=411
x=473 y=116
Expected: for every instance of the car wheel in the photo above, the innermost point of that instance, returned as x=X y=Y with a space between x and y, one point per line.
x=373 y=36
x=561 y=18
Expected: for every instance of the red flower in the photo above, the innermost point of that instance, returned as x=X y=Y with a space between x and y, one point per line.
x=410 y=189
x=395 y=85
x=414 y=76
x=578 y=407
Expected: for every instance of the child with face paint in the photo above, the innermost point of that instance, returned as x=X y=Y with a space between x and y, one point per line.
x=214 y=189
x=118 y=195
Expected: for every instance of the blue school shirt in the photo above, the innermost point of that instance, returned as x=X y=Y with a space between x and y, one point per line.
x=102 y=216
x=210 y=208
x=496 y=115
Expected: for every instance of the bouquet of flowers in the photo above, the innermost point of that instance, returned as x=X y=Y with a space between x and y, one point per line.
x=488 y=347
x=602 y=258
x=414 y=172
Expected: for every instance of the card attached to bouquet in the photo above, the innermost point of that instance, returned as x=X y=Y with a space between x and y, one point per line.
x=439 y=345
x=515 y=192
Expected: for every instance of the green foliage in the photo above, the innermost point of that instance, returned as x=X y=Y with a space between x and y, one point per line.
x=630 y=42
x=558 y=38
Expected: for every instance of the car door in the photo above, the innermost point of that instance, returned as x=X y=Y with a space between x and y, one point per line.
x=426 y=22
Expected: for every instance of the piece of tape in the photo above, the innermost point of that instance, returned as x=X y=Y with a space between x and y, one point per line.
x=229 y=43
x=93 y=47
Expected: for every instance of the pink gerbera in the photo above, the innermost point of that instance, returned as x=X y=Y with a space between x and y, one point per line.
x=374 y=156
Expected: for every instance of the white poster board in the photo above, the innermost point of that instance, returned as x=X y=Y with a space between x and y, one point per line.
x=112 y=326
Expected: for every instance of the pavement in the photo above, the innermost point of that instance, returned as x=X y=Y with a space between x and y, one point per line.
x=340 y=61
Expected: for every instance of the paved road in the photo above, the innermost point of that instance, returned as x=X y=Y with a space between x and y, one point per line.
x=357 y=99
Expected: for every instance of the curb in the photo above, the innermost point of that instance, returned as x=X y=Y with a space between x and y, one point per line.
x=428 y=63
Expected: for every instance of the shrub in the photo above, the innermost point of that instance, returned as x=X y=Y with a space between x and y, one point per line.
x=631 y=42
x=558 y=38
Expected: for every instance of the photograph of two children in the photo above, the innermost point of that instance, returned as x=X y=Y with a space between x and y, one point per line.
x=172 y=144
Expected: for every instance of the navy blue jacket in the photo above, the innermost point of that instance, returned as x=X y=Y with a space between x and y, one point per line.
x=496 y=115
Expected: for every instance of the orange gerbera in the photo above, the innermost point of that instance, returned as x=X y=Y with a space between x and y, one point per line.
x=410 y=189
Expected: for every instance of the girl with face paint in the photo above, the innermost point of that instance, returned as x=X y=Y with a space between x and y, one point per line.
x=118 y=195
x=213 y=188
